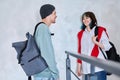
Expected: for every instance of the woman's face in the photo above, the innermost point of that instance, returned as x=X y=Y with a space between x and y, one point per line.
x=86 y=20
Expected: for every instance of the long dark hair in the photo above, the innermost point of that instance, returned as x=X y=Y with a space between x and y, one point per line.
x=93 y=18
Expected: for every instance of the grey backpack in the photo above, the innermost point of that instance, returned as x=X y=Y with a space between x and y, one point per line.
x=29 y=55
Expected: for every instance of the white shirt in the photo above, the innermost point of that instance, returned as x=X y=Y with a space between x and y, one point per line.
x=87 y=46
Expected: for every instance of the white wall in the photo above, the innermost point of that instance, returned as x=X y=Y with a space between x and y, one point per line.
x=20 y=16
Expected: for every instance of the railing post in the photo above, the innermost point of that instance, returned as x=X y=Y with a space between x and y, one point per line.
x=68 y=73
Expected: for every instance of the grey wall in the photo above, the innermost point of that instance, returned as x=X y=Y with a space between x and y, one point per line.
x=20 y=16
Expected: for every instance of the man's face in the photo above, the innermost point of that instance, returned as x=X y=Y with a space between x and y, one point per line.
x=53 y=17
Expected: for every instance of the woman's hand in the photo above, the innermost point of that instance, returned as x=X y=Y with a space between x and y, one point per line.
x=96 y=42
x=78 y=69
x=94 y=39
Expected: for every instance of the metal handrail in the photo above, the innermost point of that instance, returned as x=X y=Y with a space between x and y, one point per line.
x=68 y=69
x=107 y=65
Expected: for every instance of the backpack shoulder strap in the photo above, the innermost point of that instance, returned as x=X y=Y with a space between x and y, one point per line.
x=37 y=26
x=29 y=78
x=99 y=30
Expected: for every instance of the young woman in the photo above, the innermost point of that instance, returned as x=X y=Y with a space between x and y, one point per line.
x=88 y=45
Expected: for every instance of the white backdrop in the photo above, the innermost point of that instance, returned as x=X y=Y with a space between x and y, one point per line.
x=20 y=16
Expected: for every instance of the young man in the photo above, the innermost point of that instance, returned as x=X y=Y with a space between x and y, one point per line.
x=43 y=39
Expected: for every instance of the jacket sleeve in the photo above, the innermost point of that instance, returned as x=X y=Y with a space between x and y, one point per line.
x=79 y=36
x=43 y=39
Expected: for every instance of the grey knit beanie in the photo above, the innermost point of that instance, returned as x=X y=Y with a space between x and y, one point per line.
x=46 y=10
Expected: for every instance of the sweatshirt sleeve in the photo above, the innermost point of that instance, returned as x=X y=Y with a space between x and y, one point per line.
x=43 y=39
